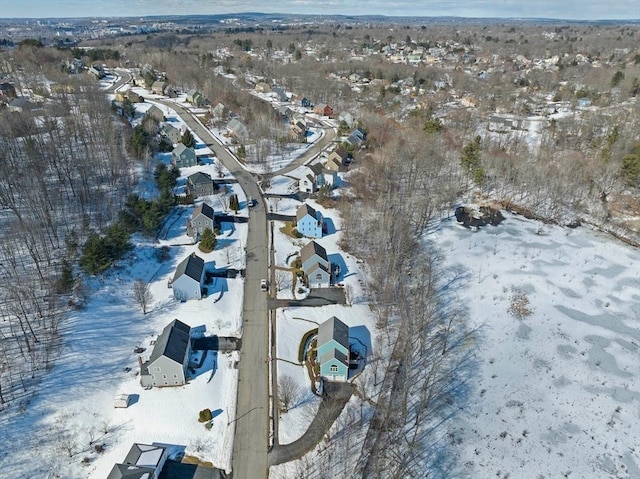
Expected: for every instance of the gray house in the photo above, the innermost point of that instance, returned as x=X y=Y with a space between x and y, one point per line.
x=182 y=156
x=195 y=98
x=155 y=113
x=188 y=278
x=201 y=219
x=167 y=365
x=333 y=350
x=142 y=462
x=200 y=184
x=315 y=265
x=171 y=133
x=238 y=129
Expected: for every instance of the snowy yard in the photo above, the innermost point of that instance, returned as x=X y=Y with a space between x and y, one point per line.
x=558 y=390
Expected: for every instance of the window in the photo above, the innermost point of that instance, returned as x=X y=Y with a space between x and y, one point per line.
x=164 y=376
x=319 y=276
x=175 y=375
x=333 y=368
x=156 y=370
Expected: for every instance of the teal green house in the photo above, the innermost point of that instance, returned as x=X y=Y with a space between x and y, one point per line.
x=333 y=350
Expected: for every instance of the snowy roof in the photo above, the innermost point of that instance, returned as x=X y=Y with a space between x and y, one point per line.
x=172 y=343
x=333 y=329
x=127 y=471
x=141 y=462
x=192 y=266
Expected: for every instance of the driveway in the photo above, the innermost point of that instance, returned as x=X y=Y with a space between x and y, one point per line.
x=317 y=297
x=334 y=398
x=216 y=343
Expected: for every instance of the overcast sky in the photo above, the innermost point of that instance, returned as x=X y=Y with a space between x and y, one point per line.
x=564 y=9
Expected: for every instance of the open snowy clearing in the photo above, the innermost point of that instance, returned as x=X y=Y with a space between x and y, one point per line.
x=557 y=391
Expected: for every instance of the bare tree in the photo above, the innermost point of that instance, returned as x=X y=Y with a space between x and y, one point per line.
x=142 y=295
x=288 y=392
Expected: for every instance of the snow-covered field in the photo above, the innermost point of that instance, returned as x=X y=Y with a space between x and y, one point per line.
x=557 y=392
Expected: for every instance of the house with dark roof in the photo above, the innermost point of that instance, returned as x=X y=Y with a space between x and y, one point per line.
x=188 y=279
x=315 y=265
x=195 y=98
x=333 y=350
x=201 y=219
x=21 y=104
x=200 y=184
x=167 y=365
x=155 y=113
x=315 y=177
x=142 y=462
x=306 y=103
x=337 y=159
x=280 y=94
x=7 y=90
x=309 y=222
x=183 y=156
x=170 y=132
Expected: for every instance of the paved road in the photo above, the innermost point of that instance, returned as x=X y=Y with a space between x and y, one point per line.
x=252 y=410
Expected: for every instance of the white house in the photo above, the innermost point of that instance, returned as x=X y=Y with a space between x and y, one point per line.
x=188 y=279
x=144 y=461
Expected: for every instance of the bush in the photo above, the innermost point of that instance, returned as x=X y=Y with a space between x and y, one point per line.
x=205 y=415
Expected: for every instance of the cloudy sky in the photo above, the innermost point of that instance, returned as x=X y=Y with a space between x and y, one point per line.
x=564 y=9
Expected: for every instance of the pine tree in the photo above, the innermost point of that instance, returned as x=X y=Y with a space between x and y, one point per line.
x=208 y=241
x=188 y=140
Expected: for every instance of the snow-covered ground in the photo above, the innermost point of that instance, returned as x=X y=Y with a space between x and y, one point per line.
x=557 y=392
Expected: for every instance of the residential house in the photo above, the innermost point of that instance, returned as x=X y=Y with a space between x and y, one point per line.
x=200 y=184
x=337 y=159
x=183 y=156
x=309 y=222
x=203 y=217
x=195 y=98
x=315 y=265
x=280 y=94
x=155 y=113
x=324 y=110
x=356 y=138
x=134 y=97
x=306 y=103
x=188 y=278
x=217 y=111
x=347 y=118
x=167 y=365
x=143 y=461
x=171 y=133
x=97 y=71
x=160 y=87
x=238 y=129
x=315 y=177
x=333 y=350
x=298 y=129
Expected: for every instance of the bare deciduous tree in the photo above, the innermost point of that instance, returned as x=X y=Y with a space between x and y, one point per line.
x=142 y=294
x=288 y=392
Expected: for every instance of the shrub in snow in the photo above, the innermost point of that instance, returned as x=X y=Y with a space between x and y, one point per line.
x=205 y=415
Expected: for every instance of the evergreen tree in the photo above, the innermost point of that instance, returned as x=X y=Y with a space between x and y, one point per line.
x=208 y=241
x=188 y=140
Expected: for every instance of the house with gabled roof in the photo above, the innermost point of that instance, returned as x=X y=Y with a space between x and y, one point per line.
x=183 y=156
x=298 y=129
x=315 y=265
x=167 y=365
x=143 y=461
x=200 y=184
x=21 y=104
x=238 y=129
x=170 y=132
x=315 y=177
x=195 y=97
x=280 y=94
x=155 y=113
x=323 y=109
x=217 y=111
x=161 y=87
x=202 y=218
x=337 y=159
x=309 y=222
x=333 y=350
x=347 y=118
x=306 y=103
x=188 y=279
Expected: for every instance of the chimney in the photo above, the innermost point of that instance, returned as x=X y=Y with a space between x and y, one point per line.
x=140 y=362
